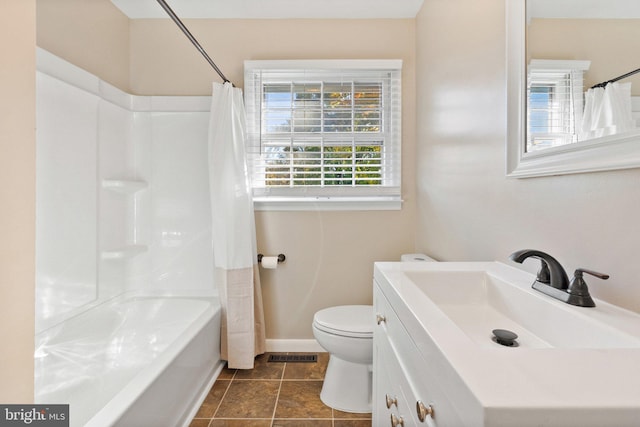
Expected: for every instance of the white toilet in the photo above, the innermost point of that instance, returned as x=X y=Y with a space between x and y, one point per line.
x=346 y=332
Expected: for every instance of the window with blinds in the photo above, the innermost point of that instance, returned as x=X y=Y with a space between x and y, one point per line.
x=324 y=130
x=555 y=103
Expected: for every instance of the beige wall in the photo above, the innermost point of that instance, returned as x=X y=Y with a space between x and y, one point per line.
x=330 y=258
x=329 y=254
x=610 y=45
x=17 y=197
x=163 y=61
x=92 y=34
x=468 y=210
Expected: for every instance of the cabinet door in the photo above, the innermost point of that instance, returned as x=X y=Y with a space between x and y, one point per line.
x=391 y=406
x=381 y=380
x=381 y=386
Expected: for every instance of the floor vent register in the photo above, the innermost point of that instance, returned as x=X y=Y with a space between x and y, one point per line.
x=293 y=358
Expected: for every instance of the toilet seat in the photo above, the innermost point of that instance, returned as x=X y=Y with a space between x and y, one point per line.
x=355 y=321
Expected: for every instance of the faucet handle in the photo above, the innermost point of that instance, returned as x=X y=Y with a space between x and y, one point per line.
x=579 y=272
x=578 y=290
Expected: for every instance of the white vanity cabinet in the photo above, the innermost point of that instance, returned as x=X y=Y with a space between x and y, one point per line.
x=405 y=390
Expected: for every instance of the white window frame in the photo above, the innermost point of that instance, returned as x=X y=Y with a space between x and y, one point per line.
x=366 y=197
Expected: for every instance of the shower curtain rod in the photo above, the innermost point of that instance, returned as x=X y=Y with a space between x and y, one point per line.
x=624 y=76
x=193 y=40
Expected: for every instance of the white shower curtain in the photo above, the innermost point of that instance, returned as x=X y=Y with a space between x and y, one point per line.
x=233 y=230
x=607 y=111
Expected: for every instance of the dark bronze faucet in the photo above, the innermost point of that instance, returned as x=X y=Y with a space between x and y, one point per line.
x=552 y=279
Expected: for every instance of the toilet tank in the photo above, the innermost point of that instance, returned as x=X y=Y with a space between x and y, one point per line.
x=416 y=258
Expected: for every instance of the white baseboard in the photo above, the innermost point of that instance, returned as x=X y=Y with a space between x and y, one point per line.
x=287 y=346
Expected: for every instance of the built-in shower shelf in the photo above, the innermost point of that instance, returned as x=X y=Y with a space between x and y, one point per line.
x=124 y=186
x=124 y=252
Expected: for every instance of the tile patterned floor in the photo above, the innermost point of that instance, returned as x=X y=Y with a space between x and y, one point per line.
x=273 y=394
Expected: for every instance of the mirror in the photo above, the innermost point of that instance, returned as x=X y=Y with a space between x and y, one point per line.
x=557 y=50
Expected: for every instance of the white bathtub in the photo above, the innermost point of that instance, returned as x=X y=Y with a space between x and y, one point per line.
x=133 y=361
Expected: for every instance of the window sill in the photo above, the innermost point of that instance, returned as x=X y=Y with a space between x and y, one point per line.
x=327 y=203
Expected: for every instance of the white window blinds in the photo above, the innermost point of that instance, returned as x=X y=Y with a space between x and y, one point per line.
x=324 y=129
x=555 y=102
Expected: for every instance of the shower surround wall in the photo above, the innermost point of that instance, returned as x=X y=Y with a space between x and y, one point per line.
x=127 y=320
x=122 y=192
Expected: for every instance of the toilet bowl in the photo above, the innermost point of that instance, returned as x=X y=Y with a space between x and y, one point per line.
x=346 y=333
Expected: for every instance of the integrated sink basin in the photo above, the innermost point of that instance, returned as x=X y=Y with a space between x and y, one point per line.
x=572 y=366
x=480 y=301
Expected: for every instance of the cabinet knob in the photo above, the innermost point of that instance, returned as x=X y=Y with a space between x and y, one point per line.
x=396 y=421
x=424 y=411
x=391 y=401
x=380 y=318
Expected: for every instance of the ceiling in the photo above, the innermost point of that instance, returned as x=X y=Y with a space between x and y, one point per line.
x=611 y=9
x=273 y=9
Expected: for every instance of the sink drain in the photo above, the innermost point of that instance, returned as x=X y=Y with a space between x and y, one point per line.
x=505 y=337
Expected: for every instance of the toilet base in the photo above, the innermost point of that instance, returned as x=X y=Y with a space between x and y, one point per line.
x=347 y=386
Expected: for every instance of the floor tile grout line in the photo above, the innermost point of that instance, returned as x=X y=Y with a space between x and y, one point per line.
x=299 y=418
x=275 y=407
x=223 y=395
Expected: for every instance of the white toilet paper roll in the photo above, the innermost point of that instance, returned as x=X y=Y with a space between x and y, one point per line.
x=270 y=262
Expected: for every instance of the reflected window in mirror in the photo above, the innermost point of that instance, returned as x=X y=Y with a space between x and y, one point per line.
x=555 y=102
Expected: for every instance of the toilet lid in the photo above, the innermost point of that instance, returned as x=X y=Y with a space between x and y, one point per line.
x=346 y=320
